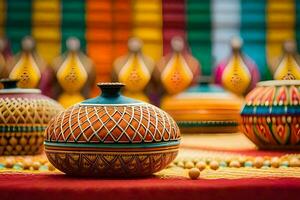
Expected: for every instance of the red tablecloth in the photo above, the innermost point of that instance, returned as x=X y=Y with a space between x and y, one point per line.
x=37 y=186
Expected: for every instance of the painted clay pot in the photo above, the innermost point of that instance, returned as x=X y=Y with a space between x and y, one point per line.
x=271 y=115
x=25 y=114
x=112 y=136
x=204 y=109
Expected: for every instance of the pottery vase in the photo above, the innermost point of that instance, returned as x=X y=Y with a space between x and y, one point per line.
x=271 y=115
x=112 y=136
x=25 y=114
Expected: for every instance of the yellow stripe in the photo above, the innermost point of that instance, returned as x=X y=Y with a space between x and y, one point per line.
x=46 y=28
x=2 y=17
x=280 y=27
x=147 y=25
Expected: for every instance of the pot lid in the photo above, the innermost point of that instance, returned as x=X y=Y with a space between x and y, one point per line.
x=111 y=96
x=10 y=87
x=203 y=97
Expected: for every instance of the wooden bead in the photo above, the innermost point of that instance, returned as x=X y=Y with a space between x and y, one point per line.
x=27 y=163
x=275 y=162
x=9 y=163
x=36 y=165
x=294 y=162
x=189 y=165
x=201 y=165
x=258 y=162
x=194 y=173
x=235 y=164
x=214 y=165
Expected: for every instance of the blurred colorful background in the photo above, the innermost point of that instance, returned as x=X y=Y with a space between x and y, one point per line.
x=104 y=27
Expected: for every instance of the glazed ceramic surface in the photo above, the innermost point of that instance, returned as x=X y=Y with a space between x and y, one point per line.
x=271 y=115
x=25 y=114
x=112 y=135
x=204 y=109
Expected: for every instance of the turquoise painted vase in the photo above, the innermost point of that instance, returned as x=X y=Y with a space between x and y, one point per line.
x=24 y=116
x=271 y=115
x=112 y=136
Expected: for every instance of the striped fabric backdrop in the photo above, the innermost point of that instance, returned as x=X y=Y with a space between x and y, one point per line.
x=103 y=28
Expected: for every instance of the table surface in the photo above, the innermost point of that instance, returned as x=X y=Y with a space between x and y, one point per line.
x=173 y=183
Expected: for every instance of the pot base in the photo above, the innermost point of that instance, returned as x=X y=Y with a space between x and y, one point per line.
x=110 y=164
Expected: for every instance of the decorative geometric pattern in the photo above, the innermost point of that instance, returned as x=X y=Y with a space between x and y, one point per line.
x=271 y=116
x=23 y=120
x=140 y=123
x=27 y=143
x=23 y=110
x=110 y=164
x=272 y=95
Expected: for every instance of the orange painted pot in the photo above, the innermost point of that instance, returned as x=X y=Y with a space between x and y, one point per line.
x=112 y=136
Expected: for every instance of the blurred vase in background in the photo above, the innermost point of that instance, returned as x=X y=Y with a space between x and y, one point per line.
x=238 y=73
x=74 y=73
x=288 y=67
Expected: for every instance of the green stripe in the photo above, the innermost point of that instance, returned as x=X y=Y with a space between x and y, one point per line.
x=5 y=129
x=199 y=32
x=73 y=22
x=189 y=124
x=18 y=22
x=114 y=145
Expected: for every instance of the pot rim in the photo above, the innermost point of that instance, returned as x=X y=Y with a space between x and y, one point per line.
x=279 y=83
x=20 y=91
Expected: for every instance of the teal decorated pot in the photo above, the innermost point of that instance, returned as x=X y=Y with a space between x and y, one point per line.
x=271 y=115
x=112 y=136
x=24 y=116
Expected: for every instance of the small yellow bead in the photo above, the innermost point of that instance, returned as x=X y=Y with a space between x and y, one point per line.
x=258 y=162
x=27 y=163
x=214 y=165
x=194 y=173
x=201 y=165
x=36 y=165
x=9 y=163
x=275 y=162
x=235 y=164
x=189 y=165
